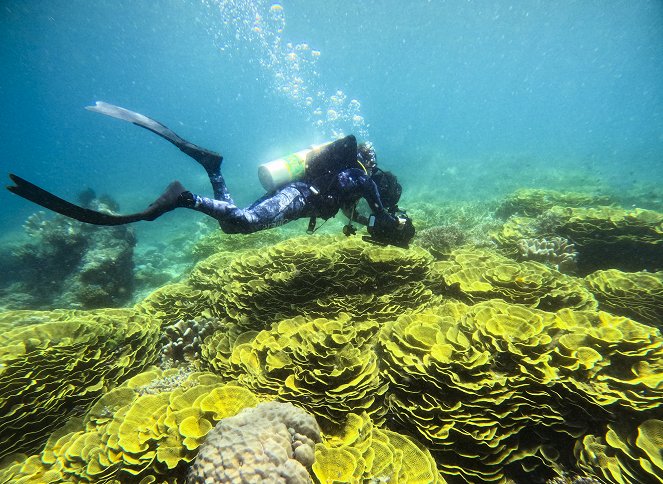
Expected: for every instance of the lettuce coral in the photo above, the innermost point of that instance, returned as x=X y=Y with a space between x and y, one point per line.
x=624 y=455
x=530 y=202
x=179 y=301
x=362 y=452
x=638 y=295
x=496 y=388
x=150 y=428
x=315 y=277
x=54 y=364
x=604 y=237
x=477 y=275
x=326 y=366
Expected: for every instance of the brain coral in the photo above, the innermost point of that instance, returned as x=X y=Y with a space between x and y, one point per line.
x=638 y=295
x=498 y=389
x=476 y=275
x=53 y=364
x=272 y=442
x=148 y=428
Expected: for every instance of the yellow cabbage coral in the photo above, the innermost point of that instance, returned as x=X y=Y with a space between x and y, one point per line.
x=174 y=302
x=638 y=295
x=604 y=237
x=55 y=363
x=476 y=275
x=326 y=366
x=362 y=452
x=316 y=277
x=149 y=428
x=624 y=455
x=498 y=389
x=530 y=202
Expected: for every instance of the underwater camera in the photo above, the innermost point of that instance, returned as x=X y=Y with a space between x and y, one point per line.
x=383 y=231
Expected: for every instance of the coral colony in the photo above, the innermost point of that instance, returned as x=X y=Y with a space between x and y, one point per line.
x=526 y=350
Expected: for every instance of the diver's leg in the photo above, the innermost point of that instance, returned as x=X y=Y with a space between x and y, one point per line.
x=219 y=186
x=270 y=211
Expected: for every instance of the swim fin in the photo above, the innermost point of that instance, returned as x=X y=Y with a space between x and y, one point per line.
x=210 y=160
x=168 y=201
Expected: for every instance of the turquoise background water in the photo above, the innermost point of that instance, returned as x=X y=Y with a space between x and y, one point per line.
x=461 y=99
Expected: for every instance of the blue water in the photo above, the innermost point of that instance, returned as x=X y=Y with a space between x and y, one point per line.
x=465 y=99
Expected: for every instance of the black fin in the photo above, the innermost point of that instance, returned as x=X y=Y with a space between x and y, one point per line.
x=210 y=160
x=30 y=191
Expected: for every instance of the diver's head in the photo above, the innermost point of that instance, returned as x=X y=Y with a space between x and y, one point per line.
x=388 y=187
x=366 y=156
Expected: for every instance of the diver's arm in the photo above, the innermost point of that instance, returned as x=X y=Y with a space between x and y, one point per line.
x=353 y=215
x=370 y=193
x=355 y=180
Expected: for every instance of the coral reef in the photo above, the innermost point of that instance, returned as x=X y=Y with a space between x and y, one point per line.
x=497 y=388
x=505 y=370
x=326 y=366
x=362 y=452
x=181 y=341
x=477 y=275
x=150 y=428
x=604 y=237
x=638 y=295
x=68 y=264
x=555 y=252
x=530 y=202
x=272 y=441
x=55 y=364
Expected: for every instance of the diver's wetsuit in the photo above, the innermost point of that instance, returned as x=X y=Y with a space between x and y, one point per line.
x=291 y=202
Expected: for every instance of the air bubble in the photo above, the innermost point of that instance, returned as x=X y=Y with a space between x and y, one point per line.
x=254 y=30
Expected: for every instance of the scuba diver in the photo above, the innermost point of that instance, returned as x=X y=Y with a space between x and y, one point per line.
x=313 y=183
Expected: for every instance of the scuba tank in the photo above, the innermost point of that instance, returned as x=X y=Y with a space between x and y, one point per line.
x=318 y=164
x=277 y=173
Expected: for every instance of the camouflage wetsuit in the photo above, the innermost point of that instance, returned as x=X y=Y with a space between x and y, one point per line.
x=291 y=202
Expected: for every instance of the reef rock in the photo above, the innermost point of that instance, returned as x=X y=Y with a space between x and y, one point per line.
x=68 y=264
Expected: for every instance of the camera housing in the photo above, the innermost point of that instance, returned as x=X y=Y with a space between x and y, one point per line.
x=396 y=229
